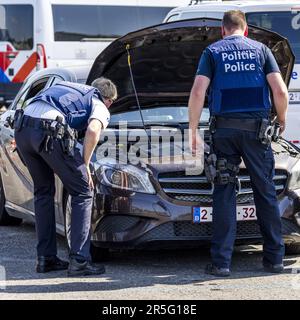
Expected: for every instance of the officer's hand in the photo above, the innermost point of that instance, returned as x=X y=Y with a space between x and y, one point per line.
x=90 y=180
x=196 y=143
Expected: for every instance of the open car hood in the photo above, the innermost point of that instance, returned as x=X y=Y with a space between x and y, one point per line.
x=164 y=58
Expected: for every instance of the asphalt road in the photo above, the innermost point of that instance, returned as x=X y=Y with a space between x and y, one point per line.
x=141 y=275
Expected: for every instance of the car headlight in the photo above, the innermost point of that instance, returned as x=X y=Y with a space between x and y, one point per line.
x=294 y=181
x=123 y=176
x=294 y=177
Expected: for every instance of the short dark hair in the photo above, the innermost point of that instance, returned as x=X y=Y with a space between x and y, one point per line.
x=106 y=87
x=234 y=19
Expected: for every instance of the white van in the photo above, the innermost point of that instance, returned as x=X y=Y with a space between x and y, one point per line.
x=36 y=34
x=280 y=16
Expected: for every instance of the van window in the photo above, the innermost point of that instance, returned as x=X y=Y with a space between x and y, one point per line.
x=201 y=14
x=16 y=25
x=285 y=23
x=84 y=22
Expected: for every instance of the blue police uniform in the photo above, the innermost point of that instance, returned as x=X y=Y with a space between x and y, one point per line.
x=237 y=67
x=74 y=102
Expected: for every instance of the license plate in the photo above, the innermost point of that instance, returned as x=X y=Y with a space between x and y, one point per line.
x=204 y=214
x=294 y=96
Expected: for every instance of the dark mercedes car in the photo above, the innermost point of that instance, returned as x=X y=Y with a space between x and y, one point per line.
x=153 y=203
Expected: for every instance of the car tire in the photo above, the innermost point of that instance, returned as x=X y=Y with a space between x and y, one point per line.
x=292 y=249
x=97 y=254
x=5 y=218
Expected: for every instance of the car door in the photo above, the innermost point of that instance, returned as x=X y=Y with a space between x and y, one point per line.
x=16 y=179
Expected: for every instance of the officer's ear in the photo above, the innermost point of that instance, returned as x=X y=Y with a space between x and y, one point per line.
x=246 y=32
x=223 y=31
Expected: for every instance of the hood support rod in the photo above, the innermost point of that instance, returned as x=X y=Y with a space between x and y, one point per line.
x=134 y=89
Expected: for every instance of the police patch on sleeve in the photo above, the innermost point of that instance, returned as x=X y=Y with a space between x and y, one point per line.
x=239 y=60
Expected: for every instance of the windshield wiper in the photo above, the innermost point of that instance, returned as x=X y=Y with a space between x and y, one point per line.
x=180 y=125
x=148 y=125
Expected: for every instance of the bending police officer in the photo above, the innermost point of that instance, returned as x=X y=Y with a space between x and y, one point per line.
x=46 y=138
x=238 y=72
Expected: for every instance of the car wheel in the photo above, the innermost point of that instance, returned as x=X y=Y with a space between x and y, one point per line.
x=97 y=254
x=5 y=218
x=292 y=249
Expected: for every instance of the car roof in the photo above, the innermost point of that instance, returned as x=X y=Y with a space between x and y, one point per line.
x=242 y=5
x=72 y=73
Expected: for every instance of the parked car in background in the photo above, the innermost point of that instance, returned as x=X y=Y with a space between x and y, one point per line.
x=277 y=16
x=152 y=204
x=35 y=34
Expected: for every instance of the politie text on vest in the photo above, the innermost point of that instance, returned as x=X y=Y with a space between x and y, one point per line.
x=239 y=60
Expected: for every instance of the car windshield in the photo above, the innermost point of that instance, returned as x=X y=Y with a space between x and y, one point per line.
x=286 y=23
x=165 y=114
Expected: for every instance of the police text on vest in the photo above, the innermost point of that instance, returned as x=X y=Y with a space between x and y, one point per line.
x=239 y=60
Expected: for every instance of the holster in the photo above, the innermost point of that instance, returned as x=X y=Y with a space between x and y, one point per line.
x=223 y=176
x=18 y=120
x=68 y=140
x=265 y=132
x=210 y=170
x=62 y=132
x=216 y=170
x=268 y=131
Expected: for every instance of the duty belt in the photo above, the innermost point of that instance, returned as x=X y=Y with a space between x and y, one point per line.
x=221 y=171
x=36 y=123
x=266 y=131
x=252 y=125
x=55 y=129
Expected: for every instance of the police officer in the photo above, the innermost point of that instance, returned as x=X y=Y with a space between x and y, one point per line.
x=46 y=139
x=238 y=72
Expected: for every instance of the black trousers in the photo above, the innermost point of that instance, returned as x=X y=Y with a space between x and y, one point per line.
x=234 y=145
x=73 y=174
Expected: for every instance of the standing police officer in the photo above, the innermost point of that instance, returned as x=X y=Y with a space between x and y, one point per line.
x=46 y=138
x=238 y=72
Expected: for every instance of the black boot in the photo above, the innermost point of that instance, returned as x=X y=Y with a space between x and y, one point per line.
x=218 y=272
x=84 y=268
x=273 y=268
x=53 y=263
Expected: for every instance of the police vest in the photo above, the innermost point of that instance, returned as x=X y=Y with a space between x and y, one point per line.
x=73 y=100
x=239 y=83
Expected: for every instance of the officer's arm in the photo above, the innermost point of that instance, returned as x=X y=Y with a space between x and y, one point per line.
x=280 y=96
x=91 y=139
x=197 y=99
